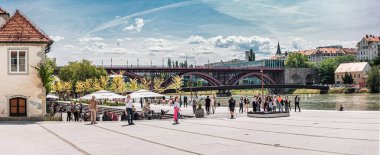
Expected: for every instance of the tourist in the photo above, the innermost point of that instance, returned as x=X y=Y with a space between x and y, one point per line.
x=266 y=101
x=297 y=103
x=280 y=102
x=141 y=102
x=69 y=111
x=194 y=104
x=212 y=103
x=246 y=105
x=241 y=105
x=180 y=101
x=286 y=104
x=129 y=106
x=341 y=108
x=185 y=101
x=259 y=102
x=254 y=103
x=231 y=105
x=176 y=110
x=76 y=111
x=93 y=106
x=208 y=104
x=81 y=111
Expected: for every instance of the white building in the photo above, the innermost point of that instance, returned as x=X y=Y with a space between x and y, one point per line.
x=358 y=70
x=22 y=45
x=321 y=53
x=368 y=48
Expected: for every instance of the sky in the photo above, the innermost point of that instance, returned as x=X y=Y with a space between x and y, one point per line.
x=199 y=31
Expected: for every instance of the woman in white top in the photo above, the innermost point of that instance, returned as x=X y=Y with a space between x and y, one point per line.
x=212 y=103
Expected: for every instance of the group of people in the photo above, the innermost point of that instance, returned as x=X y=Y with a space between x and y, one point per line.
x=75 y=109
x=271 y=104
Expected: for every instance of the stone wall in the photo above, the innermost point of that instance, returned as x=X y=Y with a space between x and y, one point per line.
x=301 y=76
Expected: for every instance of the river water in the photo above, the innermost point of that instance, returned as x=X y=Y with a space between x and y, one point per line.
x=353 y=102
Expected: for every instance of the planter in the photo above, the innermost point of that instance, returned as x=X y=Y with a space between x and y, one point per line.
x=199 y=113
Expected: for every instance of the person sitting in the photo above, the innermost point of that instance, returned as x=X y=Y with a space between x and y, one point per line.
x=106 y=116
x=124 y=117
x=146 y=110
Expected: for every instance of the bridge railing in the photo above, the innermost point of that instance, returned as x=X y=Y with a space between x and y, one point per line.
x=165 y=67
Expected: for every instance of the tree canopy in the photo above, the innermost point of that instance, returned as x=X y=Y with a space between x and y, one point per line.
x=46 y=71
x=298 y=60
x=80 y=71
x=373 y=80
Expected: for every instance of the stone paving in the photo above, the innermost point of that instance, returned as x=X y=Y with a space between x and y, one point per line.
x=308 y=132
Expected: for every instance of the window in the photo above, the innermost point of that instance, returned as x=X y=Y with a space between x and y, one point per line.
x=17 y=61
x=365 y=47
x=354 y=75
x=358 y=75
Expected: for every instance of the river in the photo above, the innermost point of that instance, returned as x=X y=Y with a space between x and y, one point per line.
x=352 y=102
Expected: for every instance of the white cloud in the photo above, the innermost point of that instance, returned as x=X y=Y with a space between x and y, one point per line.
x=195 y=39
x=137 y=26
x=100 y=45
x=87 y=39
x=127 y=38
x=157 y=45
x=69 y=46
x=57 y=38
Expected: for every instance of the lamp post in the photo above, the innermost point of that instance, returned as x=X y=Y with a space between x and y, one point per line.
x=262 y=83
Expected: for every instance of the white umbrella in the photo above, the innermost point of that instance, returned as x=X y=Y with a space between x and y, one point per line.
x=142 y=93
x=103 y=94
x=52 y=96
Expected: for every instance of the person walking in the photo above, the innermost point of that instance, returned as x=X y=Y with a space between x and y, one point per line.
x=69 y=110
x=254 y=103
x=241 y=105
x=194 y=104
x=141 y=102
x=246 y=105
x=93 y=106
x=180 y=101
x=208 y=104
x=280 y=103
x=76 y=112
x=185 y=101
x=129 y=106
x=212 y=103
x=286 y=104
x=259 y=102
x=176 y=111
x=231 y=105
x=297 y=103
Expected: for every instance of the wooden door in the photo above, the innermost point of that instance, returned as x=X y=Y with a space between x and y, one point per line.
x=17 y=107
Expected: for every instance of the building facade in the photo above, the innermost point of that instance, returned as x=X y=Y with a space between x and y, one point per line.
x=321 y=53
x=22 y=46
x=358 y=71
x=368 y=48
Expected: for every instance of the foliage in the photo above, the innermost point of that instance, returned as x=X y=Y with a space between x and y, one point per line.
x=373 y=80
x=80 y=87
x=145 y=83
x=347 y=78
x=133 y=85
x=45 y=72
x=88 y=86
x=103 y=82
x=298 y=60
x=177 y=83
x=118 y=85
x=375 y=61
x=80 y=71
x=157 y=85
x=328 y=67
x=66 y=88
x=57 y=87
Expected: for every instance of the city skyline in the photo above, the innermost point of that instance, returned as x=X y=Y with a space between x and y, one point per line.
x=194 y=30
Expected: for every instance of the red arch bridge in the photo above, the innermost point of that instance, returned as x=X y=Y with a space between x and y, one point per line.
x=218 y=78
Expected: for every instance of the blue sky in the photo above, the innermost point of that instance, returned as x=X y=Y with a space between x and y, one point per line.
x=197 y=30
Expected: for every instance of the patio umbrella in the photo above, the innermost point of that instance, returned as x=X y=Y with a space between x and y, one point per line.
x=103 y=94
x=142 y=93
x=51 y=96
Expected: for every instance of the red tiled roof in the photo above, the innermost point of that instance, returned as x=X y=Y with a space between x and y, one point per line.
x=2 y=10
x=350 y=50
x=20 y=29
x=307 y=52
x=372 y=38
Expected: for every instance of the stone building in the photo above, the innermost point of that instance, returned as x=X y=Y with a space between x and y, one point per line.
x=321 y=53
x=358 y=70
x=22 y=46
x=368 y=48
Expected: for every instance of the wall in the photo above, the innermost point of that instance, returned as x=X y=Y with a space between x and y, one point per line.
x=290 y=73
x=28 y=86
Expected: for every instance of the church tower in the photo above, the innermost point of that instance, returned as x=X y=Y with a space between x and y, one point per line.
x=278 y=48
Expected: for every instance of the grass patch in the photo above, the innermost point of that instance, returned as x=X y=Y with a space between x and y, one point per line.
x=304 y=91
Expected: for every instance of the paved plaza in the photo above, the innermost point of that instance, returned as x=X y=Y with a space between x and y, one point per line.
x=308 y=132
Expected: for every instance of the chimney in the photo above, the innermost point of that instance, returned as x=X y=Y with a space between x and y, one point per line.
x=4 y=17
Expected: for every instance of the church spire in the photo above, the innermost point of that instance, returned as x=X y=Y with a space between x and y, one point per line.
x=278 y=48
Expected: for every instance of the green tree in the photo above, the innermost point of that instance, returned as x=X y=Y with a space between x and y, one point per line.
x=328 y=67
x=347 y=78
x=133 y=85
x=118 y=85
x=177 y=83
x=157 y=85
x=298 y=60
x=80 y=71
x=373 y=80
x=45 y=72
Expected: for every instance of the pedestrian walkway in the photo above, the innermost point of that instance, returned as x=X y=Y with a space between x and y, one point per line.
x=308 y=132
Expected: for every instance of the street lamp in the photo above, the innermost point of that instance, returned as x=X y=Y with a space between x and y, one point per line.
x=262 y=83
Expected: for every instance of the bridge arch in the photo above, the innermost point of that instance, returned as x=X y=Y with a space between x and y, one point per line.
x=234 y=80
x=132 y=75
x=211 y=80
x=309 y=79
x=297 y=79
